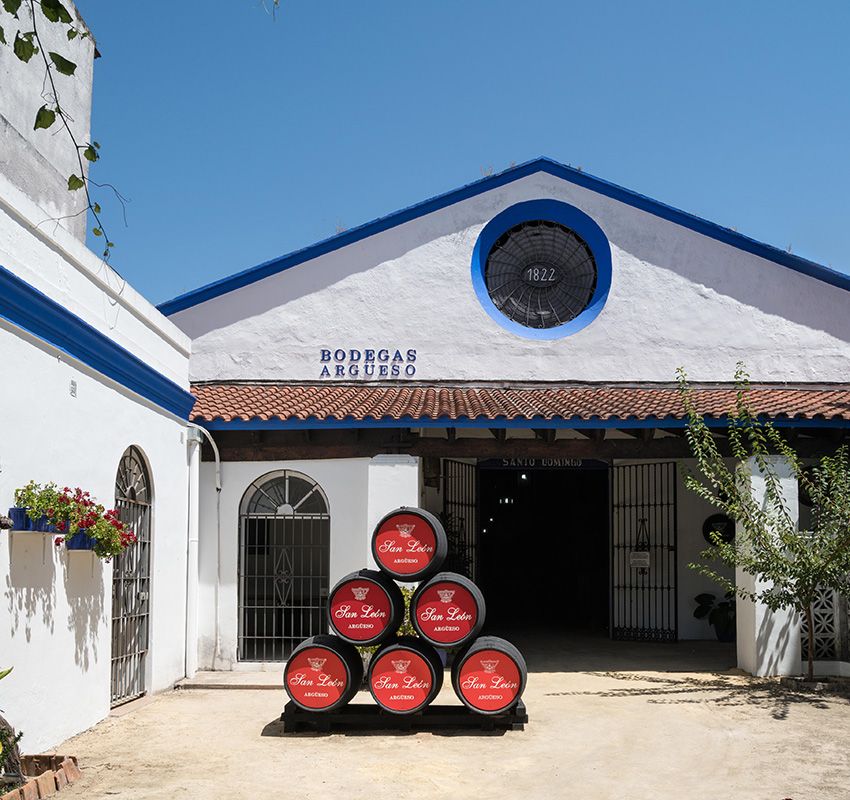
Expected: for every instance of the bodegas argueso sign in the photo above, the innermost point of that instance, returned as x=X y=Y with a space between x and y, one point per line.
x=368 y=363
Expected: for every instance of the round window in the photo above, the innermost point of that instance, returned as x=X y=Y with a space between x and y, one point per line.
x=540 y=274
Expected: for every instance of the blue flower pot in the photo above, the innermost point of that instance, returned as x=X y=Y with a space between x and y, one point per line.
x=20 y=520
x=80 y=541
x=43 y=525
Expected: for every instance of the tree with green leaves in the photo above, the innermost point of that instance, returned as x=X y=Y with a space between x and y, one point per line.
x=790 y=564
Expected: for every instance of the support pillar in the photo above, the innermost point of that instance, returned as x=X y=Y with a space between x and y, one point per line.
x=768 y=642
x=393 y=481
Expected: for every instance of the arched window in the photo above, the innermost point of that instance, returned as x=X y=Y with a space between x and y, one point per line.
x=131 y=580
x=284 y=565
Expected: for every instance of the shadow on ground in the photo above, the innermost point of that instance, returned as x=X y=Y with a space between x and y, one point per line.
x=727 y=690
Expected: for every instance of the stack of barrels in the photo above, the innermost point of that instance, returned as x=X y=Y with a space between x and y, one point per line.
x=405 y=673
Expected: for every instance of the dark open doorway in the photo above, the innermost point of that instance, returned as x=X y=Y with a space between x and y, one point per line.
x=544 y=548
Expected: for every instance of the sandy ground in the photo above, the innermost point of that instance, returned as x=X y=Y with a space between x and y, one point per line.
x=631 y=733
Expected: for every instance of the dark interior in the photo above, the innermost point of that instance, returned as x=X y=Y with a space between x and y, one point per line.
x=544 y=549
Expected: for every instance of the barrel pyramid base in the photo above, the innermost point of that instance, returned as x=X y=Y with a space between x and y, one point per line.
x=368 y=717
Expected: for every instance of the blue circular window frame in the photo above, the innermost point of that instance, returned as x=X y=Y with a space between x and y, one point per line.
x=551 y=211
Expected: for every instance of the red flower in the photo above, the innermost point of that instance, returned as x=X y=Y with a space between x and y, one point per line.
x=58 y=541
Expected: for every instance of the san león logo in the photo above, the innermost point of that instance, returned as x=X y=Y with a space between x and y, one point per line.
x=360 y=592
x=446 y=595
x=490 y=664
x=406 y=529
x=400 y=665
x=316 y=664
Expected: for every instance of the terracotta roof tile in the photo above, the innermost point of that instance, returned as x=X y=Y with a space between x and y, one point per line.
x=227 y=402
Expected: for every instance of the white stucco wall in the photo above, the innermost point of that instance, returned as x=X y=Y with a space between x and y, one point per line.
x=56 y=264
x=39 y=162
x=768 y=641
x=345 y=483
x=677 y=298
x=55 y=617
x=359 y=491
x=691 y=511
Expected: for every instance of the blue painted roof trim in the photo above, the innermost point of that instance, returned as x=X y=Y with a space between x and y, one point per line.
x=547 y=165
x=314 y=423
x=26 y=307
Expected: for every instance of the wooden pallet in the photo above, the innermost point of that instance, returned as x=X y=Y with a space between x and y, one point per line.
x=368 y=717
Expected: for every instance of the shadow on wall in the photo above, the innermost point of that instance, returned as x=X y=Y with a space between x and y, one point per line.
x=729 y=272
x=774 y=640
x=84 y=588
x=315 y=276
x=31 y=582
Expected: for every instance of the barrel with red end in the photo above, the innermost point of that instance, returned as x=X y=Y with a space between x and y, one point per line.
x=489 y=676
x=448 y=610
x=405 y=675
x=409 y=544
x=323 y=673
x=366 y=608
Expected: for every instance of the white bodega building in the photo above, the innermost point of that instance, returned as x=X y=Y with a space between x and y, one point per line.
x=502 y=355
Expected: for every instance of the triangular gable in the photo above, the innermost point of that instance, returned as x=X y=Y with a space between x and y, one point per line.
x=546 y=165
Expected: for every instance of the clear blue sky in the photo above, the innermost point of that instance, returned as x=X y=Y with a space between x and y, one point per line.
x=238 y=138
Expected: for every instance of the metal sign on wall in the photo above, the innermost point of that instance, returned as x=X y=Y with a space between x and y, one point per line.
x=378 y=363
x=547 y=462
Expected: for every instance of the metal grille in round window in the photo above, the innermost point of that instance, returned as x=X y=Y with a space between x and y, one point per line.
x=540 y=274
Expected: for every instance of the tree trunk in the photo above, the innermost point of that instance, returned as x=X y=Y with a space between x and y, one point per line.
x=810 y=623
x=10 y=758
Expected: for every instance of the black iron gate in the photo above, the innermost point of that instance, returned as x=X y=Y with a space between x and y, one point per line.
x=644 y=603
x=284 y=565
x=131 y=581
x=460 y=506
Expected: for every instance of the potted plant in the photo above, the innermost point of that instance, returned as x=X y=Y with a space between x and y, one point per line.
x=87 y=525
x=83 y=523
x=34 y=507
x=721 y=614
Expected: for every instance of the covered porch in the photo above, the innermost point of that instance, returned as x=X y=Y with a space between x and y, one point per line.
x=607 y=465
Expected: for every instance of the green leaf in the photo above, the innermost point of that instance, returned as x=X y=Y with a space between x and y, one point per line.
x=12 y=6
x=72 y=33
x=97 y=231
x=55 y=11
x=2 y=37
x=96 y=145
x=110 y=244
x=91 y=154
x=5 y=672
x=23 y=47
x=75 y=183
x=96 y=208
x=62 y=64
x=44 y=118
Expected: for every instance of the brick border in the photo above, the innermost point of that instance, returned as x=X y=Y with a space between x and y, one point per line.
x=54 y=774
